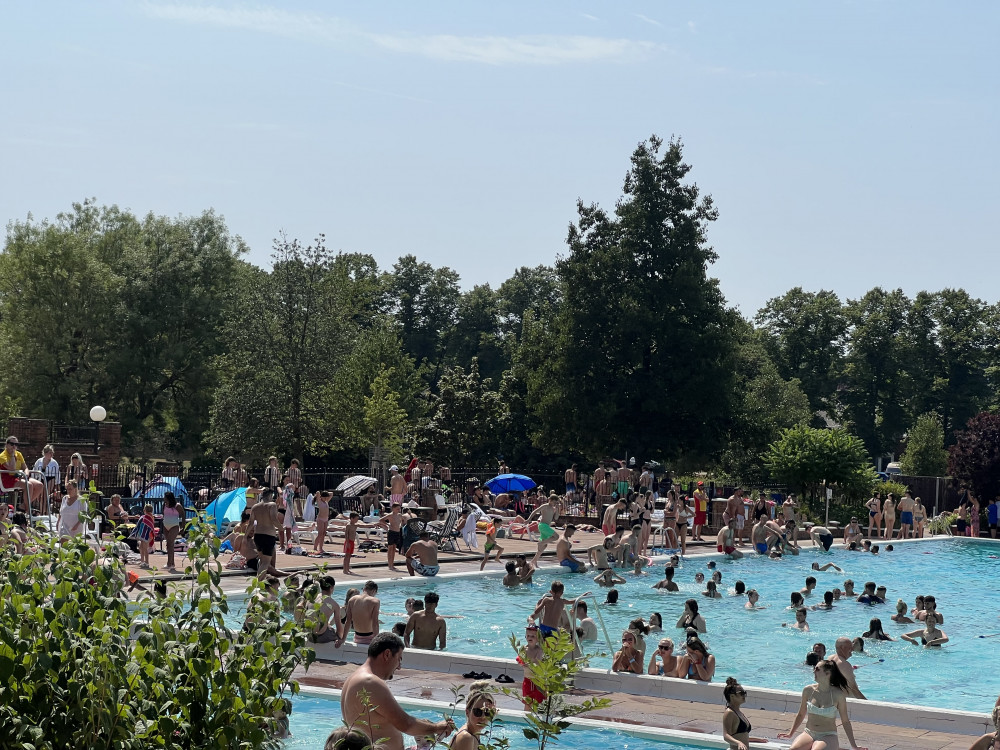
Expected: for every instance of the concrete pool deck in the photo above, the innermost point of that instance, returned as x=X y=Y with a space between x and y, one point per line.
x=666 y=713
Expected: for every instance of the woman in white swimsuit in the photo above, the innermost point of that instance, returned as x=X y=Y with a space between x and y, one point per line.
x=821 y=702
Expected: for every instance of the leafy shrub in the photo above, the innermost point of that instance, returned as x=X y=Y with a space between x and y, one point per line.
x=83 y=667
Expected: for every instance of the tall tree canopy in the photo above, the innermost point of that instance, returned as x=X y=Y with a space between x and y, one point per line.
x=640 y=355
x=100 y=306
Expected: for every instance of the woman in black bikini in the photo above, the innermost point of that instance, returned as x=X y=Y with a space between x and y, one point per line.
x=735 y=726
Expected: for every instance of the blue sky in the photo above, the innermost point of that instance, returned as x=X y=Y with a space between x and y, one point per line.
x=847 y=144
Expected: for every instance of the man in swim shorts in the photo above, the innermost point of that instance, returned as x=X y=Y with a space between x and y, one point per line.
x=397 y=486
x=821 y=537
x=758 y=535
x=263 y=528
x=905 y=508
x=546 y=515
x=700 y=512
x=362 y=614
x=564 y=554
x=570 y=479
x=551 y=610
x=610 y=521
x=422 y=556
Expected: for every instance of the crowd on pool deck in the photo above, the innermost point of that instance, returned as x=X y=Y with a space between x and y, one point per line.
x=269 y=524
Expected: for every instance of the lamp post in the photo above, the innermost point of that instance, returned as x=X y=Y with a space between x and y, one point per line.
x=98 y=414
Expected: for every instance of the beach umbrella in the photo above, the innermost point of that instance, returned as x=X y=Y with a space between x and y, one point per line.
x=354 y=486
x=510 y=483
x=228 y=506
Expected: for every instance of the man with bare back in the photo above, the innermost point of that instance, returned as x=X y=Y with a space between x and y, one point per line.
x=546 y=516
x=570 y=479
x=264 y=526
x=362 y=614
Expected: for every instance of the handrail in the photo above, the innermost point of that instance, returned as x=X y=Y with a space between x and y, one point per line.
x=600 y=618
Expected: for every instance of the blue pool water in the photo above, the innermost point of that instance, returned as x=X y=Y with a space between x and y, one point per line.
x=752 y=645
x=313 y=718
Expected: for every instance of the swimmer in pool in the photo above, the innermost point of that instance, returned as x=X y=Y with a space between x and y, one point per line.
x=825 y=567
x=930 y=636
x=608 y=578
x=752 y=598
x=800 y=620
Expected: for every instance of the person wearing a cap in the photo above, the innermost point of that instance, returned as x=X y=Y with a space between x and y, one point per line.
x=12 y=476
x=397 y=486
x=700 y=512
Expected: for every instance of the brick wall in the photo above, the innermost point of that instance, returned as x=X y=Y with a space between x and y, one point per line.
x=33 y=435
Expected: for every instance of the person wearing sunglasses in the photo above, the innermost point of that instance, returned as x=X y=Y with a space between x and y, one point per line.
x=628 y=658
x=821 y=703
x=663 y=662
x=479 y=712
x=735 y=725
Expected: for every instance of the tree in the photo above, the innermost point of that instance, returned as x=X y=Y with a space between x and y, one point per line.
x=477 y=333
x=83 y=666
x=384 y=420
x=292 y=329
x=974 y=459
x=925 y=454
x=426 y=300
x=531 y=289
x=639 y=356
x=874 y=372
x=805 y=457
x=764 y=405
x=954 y=343
x=464 y=415
x=805 y=336
x=102 y=307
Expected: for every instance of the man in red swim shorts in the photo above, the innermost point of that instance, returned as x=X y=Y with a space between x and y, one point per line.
x=725 y=543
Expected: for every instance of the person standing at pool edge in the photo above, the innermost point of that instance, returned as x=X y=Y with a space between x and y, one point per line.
x=700 y=512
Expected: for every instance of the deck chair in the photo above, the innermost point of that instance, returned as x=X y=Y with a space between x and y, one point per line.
x=443 y=532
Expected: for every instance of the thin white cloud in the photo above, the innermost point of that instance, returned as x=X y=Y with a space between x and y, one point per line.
x=647 y=19
x=530 y=50
x=491 y=50
x=590 y=17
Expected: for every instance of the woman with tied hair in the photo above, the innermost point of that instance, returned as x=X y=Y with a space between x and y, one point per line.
x=821 y=703
x=628 y=658
x=735 y=725
x=900 y=616
x=479 y=712
x=663 y=662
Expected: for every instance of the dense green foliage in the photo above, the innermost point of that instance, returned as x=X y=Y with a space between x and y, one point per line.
x=925 y=454
x=806 y=457
x=624 y=346
x=81 y=667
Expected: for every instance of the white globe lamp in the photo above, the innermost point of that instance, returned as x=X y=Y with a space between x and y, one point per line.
x=98 y=413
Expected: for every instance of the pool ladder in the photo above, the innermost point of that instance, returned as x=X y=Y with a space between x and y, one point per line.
x=600 y=619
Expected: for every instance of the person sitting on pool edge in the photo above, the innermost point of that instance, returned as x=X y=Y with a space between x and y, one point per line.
x=564 y=554
x=426 y=553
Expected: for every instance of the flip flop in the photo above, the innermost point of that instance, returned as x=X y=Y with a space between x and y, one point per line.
x=471 y=675
x=505 y=678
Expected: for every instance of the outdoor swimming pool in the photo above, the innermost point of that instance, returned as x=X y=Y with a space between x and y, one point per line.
x=314 y=717
x=752 y=645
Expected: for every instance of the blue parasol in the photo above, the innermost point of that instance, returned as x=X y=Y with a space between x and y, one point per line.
x=228 y=506
x=510 y=483
x=158 y=486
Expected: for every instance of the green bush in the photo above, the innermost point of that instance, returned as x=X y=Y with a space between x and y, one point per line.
x=83 y=667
